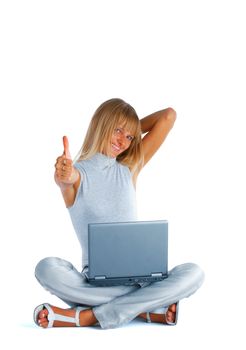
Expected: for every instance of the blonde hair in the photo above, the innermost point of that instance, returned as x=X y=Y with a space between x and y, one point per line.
x=108 y=116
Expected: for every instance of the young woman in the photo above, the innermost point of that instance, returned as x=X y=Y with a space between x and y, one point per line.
x=100 y=187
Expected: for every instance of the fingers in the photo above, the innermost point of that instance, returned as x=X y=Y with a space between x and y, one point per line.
x=64 y=167
x=65 y=172
x=63 y=163
x=66 y=147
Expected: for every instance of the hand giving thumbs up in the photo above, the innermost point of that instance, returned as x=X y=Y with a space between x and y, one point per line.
x=65 y=173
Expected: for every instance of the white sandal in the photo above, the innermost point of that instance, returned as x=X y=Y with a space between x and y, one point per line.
x=52 y=316
x=161 y=311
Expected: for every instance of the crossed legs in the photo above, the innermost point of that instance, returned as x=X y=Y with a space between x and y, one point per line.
x=117 y=305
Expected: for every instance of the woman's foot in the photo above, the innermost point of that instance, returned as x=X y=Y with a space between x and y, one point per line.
x=86 y=317
x=169 y=317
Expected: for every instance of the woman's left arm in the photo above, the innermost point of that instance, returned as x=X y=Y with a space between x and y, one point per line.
x=156 y=126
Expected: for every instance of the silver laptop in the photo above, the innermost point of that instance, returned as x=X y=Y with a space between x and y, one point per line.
x=127 y=252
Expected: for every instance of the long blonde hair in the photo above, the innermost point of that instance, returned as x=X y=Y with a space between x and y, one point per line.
x=108 y=116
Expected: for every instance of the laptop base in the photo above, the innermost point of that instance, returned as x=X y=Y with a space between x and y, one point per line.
x=123 y=281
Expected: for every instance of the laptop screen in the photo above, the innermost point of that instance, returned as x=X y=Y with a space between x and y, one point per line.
x=126 y=249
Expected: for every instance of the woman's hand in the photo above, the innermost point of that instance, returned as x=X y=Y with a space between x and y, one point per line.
x=65 y=174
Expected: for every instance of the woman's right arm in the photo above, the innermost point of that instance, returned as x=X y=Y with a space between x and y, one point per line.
x=67 y=177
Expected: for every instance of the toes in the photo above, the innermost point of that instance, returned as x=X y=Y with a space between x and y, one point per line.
x=170 y=316
x=42 y=318
x=43 y=323
x=172 y=308
x=43 y=313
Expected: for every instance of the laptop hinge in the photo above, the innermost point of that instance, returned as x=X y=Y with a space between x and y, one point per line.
x=156 y=274
x=100 y=277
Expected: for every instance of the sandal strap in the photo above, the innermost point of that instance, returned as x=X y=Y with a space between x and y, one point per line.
x=62 y=318
x=52 y=316
x=78 y=309
x=148 y=317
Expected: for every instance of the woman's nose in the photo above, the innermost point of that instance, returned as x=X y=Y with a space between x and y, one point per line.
x=120 y=139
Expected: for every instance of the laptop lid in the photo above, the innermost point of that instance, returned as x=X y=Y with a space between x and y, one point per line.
x=127 y=252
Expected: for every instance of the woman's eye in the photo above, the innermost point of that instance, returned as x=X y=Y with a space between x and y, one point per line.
x=130 y=138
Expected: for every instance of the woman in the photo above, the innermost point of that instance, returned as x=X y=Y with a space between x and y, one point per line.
x=100 y=187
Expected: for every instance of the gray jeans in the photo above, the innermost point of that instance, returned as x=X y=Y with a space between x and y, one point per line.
x=117 y=305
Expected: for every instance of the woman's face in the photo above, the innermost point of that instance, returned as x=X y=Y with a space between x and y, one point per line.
x=120 y=141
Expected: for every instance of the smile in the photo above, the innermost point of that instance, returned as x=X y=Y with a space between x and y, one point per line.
x=116 y=147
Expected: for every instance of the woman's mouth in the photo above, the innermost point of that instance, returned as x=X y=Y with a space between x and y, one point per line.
x=116 y=148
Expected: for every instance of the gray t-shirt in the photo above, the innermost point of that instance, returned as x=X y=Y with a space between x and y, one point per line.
x=106 y=194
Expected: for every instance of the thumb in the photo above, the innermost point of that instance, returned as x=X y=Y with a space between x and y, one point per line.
x=66 y=147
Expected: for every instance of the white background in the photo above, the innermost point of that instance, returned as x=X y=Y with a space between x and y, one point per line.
x=59 y=61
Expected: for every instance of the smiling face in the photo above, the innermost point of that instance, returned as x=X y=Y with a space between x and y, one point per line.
x=115 y=131
x=120 y=141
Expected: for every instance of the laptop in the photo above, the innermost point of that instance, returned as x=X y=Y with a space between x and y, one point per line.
x=127 y=252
